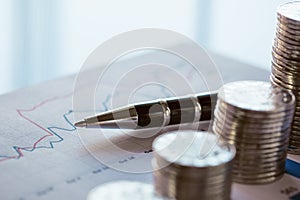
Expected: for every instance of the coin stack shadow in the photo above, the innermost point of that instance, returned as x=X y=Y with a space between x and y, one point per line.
x=192 y=165
x=256 y=118
x=286 y=62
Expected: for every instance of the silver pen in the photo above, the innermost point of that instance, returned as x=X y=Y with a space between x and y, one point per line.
x=156 y=113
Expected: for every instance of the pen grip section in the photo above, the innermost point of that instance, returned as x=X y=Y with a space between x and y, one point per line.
x=208 y=104
x=150 y=115
x=176 y=111
x=192 y=109
x=182 y=110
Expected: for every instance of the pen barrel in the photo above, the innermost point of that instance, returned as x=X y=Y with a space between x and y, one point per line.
x=208 y=104
x=176 y=111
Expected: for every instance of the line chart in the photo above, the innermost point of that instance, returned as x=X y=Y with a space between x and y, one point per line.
x=50 y=131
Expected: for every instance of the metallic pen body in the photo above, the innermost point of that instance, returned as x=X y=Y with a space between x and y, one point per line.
x=156 y=113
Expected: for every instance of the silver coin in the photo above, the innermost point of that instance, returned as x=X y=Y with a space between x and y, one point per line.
x=296 y=123
x=278 y=83
x=261 y=175
x=284 y=84
x=200 y=188
x=256 y=147
x=294 y=136
x=287 y=40
x=253 y=133
x=162 y=183
x=256 y=171
x=288 y=83
x=284 y=64
x=250 y=132
x=261 y=156
x=295 y=129
x=292 y=29
x=230 y=123
x=254 y=125
x=256 y=180
x=252 y=140
x=252 y=170
x=198 y=163
x=281 y=44
x=208 y=181
x=263 y=123
x=258 y=162
x=255 y=96
x=277 y=58
x=284 y=69
x=236 y=116
x=295 y=139
x=259 y=168
x=287 y=78
x=185 y=152
x=297 y=108
x=252 y=150
x=284 y=49
x=226 y=117
x=189 y=173
x=259 y=119
x=296 y=116
x=288 y=36
x=282 y=147
x=281 y=83
x=287 y=24
x=296 y=120
x=240 y=113
x=261 y=148
x=123 y=190
x=293 y=150
x=284 y=24
x=262 y=163
x=287 y=55
x=290 y=12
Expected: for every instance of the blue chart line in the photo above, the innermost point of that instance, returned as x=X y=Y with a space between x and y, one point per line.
x=53 y=132
x=105 y=102
x=60 y=139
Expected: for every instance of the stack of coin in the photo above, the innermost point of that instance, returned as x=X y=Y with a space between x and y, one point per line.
x=286 y=62
x=256 y=118
x=192 y=165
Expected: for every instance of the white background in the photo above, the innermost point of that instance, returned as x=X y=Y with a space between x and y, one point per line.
x=41 y=40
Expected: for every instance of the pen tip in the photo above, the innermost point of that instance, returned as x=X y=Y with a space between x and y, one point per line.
x=80 y=124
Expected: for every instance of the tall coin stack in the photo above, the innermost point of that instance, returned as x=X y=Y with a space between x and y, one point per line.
x=192 y=165
x=286 y=62
x=256 y=118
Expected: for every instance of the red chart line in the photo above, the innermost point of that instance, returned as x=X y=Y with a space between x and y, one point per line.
x=48 y=133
